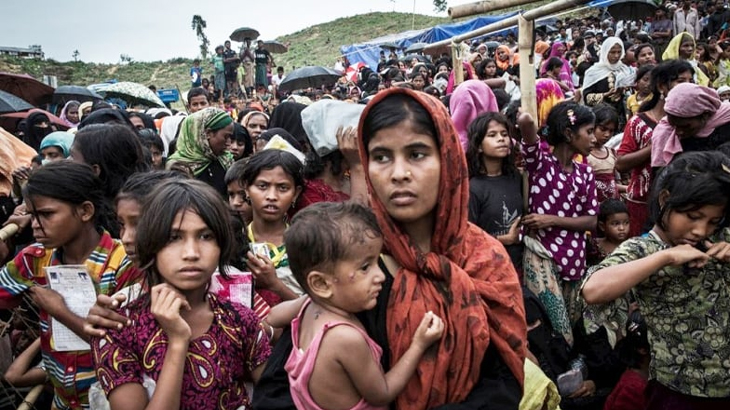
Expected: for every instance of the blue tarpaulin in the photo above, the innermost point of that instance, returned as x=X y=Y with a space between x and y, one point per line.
x=369 y=52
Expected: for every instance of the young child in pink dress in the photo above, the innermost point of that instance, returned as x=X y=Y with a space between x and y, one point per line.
x=334 y=251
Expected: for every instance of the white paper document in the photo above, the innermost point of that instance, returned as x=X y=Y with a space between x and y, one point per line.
x=77 y=288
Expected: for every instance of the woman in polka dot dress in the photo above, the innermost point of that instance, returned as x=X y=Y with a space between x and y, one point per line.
x=562 y=207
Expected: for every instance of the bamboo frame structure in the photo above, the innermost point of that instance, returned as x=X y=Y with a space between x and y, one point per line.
x=481 y=7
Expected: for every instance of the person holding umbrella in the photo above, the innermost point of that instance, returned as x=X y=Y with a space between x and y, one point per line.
x=263 y=58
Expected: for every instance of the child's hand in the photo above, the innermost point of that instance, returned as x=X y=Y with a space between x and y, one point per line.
x=719 y=250
x=263 y=270
x=47 y=299
x=429 y=331
x=687 y=254
x=165 y=307
x=102 y=315
x=537 y=221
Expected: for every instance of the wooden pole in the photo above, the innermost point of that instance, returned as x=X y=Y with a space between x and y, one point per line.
x=527 y=67
x=481 y=7
x=457 y=59
x=534 y=14
x=30 y=399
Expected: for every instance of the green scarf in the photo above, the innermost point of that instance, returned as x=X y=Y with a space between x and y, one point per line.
x=193 y=150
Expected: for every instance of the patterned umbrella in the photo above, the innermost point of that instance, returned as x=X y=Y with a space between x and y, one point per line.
x=275 y=47
x=26 y=87
x=241 y=34
x=67 y=93
x=11 y=103
x=133 y=93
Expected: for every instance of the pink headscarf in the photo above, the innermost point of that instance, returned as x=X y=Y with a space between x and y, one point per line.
x=468 y=75
x=468 y=101
x=686 y=100
x=566 y=74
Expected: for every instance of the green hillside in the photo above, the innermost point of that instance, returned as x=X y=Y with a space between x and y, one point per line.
x=316 y=45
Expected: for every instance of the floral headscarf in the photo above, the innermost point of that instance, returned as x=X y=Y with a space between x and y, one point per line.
x=193 y=148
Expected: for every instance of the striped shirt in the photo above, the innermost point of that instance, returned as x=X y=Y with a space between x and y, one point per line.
x=71 y=373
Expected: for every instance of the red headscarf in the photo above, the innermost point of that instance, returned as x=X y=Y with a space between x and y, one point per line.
x=467 y=279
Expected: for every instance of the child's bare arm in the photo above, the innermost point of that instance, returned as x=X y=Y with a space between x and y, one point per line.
x=375 y=387
x=283 y=313
x=20 y=373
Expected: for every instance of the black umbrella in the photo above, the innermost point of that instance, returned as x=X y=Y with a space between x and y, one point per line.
x=12 y=103
x=309 y=76
x=415 y=48
x=632 y=9
x=410 y=57
x=241 y=34
x=275 y=47
x=390 y=44
x=66 y=93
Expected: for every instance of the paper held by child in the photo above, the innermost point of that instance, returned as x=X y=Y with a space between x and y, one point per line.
x=77 y=288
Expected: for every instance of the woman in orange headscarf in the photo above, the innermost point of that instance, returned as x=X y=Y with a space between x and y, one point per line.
x=507 y=61
x=434 y=260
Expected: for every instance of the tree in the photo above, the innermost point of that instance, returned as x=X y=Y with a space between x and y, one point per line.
x=439 y=5
x=125 y=59
x=75 y=55
x=199 y=25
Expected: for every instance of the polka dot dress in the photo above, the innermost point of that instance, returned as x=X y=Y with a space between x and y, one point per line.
x=568 y=195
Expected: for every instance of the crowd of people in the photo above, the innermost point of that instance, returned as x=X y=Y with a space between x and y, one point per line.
x=395 y=240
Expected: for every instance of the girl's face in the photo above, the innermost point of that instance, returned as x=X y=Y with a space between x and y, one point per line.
x=237 y=148
x=604 y=132
x=272 y=193
x=644 y=84
x=699 y=53
x=686 y=50
x=694 y=226
x=156 y=158
x=237 y=201
x=496 y=142
x=646 y=56
x=616 y=227
x=137 y=122
x=418 y=82
x=256 y=125
x=614 y=54
x=583 y=140
x=443 y=69
x=73 y=113
x=404 y=167
x=684 y=77
x=191 y=256
x=220 y=140
x=556 y=71
x=491 y=69
x=128 y=213
x=358 y=279
x=57 y=223
x=52 y=154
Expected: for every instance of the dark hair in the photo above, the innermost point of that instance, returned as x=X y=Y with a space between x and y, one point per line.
x=106 y=116
x=553 y=63
x=270 y=159
x=73 y=183
x=162 y=206
x=235 y=172
x=325 y=233
x=481 y=68
x=476 y=132
x=640 y=47
x=644 y=70
x=149 y=122
x=636 y=339
x=502 y=98
x=149 y=139
x=664 y=74
x=314 y=165
x=693 y=180
x=564 y=116
x=115 y=149
x=140 y=184
x=393 y=110
x=197 y=91
x=240 y=134
x=611 y=206
x=605 y=114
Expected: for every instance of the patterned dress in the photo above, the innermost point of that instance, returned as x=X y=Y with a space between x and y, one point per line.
x=687 y=311
x=637 y=135
x=218 y=362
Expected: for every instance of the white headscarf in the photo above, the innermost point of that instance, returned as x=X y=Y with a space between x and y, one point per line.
x=603 y=68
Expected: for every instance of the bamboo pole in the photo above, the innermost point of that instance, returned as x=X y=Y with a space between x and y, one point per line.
x=30 y=399
x=457 y=60
x=527 y=67
x=481 y=7
x=533 y=14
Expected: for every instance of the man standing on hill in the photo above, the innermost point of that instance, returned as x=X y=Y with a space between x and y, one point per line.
x=230 y=63
x=219 y=68
x=263 y=59
x=247 y=59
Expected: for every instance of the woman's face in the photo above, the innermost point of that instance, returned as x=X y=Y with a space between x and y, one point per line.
x=53 y=153
x=257 y=124
x=584 y=139
x=699 y=53
x=443 y=69
x=72 y=113
x=496 y=142
x=272 y=193
x=644 y=83
x=614 y=54
x=687 y=127
x=490 y=70
x=418 y=82
x=404 y=166
x=503 y=55
x=645 y=56
x=685 y=77
x=220 y=140
x=561 y=50
x=686 y=49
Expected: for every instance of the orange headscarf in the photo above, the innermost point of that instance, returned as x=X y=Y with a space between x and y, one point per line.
x=513 y=60
x=467 y=279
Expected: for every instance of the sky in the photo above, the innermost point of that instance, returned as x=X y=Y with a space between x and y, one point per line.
x=151 y=30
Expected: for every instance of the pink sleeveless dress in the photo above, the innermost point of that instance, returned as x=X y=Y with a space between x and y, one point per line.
x=300 y=364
